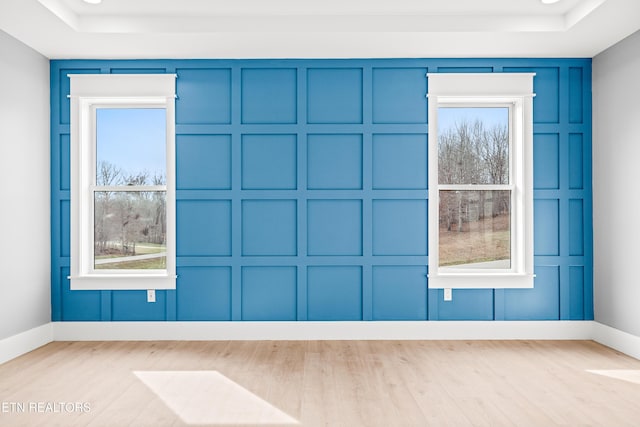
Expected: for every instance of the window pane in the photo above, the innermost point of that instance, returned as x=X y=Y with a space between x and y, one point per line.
x=475 y=229
x=473 y=145
x=131 y=146
x=130 y=230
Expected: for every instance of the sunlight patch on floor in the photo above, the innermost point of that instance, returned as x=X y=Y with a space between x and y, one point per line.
x=631 y=375
x=208 y=397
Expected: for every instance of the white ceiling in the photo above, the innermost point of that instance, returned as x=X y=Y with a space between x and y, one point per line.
x=318 y=28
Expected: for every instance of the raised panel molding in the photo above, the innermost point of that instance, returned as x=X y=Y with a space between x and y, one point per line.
x=269 y=95
x=269 y=162
x=302 y=195
x=203 y=96
x=334 y=95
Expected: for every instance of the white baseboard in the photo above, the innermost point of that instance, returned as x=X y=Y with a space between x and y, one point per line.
x=24 y=342
x=622 y=341
x=394 y=330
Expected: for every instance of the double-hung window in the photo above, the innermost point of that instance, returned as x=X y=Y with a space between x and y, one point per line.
x=122 y=181
x=480 y=180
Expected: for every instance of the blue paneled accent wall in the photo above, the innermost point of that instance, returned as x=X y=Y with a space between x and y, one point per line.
x=302 y=193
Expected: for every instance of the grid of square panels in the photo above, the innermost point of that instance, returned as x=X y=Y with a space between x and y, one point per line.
x=302 y=194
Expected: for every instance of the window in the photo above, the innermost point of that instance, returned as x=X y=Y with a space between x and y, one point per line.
x=480 y=180
x=122 y=182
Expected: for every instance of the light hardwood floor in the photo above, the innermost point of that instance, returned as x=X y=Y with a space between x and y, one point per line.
x=322 y=383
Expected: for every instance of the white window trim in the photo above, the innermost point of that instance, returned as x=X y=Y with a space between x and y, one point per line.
x=88 y=92
x=487 y=89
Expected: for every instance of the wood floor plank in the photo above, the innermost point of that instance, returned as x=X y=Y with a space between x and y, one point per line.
x=328 y=383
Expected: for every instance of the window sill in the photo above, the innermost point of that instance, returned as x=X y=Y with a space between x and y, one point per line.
x=481 y=281
x=123 y=282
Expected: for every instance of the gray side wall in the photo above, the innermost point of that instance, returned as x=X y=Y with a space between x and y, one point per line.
x=616 y=174
x=25 y=235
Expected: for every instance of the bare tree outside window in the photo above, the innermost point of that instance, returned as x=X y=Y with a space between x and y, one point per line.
x=130 y=221
x=473 y=150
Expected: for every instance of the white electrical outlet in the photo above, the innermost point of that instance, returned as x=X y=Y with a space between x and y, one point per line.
x=448 y=294
x=151 y=295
